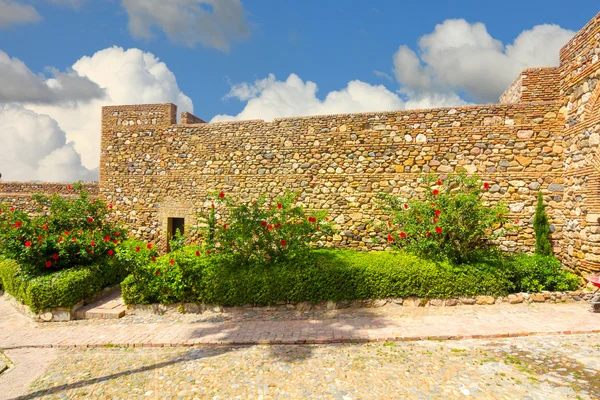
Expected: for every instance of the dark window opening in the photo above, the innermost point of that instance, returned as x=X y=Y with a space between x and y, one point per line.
x=173 y=224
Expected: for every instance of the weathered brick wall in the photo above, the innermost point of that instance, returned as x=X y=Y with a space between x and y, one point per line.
x=580 y=73
x=337 y=162
x=533 y=84
x=18 y=194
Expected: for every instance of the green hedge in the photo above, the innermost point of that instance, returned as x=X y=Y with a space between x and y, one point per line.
x=334 y=275
x=63 y=288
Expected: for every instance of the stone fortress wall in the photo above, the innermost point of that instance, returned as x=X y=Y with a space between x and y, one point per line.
x=543 y=135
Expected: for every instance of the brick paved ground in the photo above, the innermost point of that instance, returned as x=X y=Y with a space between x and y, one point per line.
x=386 y=323
x=550 y=367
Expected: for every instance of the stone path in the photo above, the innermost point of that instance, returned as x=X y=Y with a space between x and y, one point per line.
x=343 y=326
x=108 y=307
x=546 y=367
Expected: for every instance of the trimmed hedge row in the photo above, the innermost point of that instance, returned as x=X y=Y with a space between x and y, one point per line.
x=336 y=275
x=63 y=288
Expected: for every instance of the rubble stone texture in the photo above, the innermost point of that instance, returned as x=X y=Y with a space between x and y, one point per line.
x=543 y=135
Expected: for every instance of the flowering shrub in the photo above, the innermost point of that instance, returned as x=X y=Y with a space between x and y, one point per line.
x=451 y=222
x=262 y=232
x=72 y=232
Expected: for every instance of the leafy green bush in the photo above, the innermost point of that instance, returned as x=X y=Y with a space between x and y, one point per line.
x=537 y=273
x=261 y=233
x=58 y=288
x=541 y=227
x=72 y=232
x=191 y=276
x=452 y=221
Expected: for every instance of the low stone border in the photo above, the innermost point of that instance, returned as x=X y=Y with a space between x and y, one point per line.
x=517 y=298
x=58 y=314
x=55 y=315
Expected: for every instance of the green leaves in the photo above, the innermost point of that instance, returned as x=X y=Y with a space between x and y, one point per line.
x=262 y=232
x=63 y=232
x=542 y=228
x=451 y=219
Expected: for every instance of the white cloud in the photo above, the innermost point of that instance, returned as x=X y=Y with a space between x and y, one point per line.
x=13 y=13
x=35 y=148
x=212 y=23
x=18 y=84
x=381 y=74
x=460 y=56
x=269 y=98
x=127 y=77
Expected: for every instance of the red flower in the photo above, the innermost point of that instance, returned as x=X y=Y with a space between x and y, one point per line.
x=48 y=264
x=486 y=185
x=197 y=253
x=28 y=244
x=66 y=233
x=118 y=234
x=90 y=219
x=499 y=215
x=312 y=219
x=74 y=239
x=110 y=252
x=156 y=273
x=172 y=262
x=438 y=212
x=107 y=238
x=137 y=249
x=40 y=239
x=110 y=206
x=279 y=206
x=69 y=187
x=436 y=192
x=269 y=227
x=18 y=224
x=92 y=243
x=389 y=223
x=60 y=239
x=221 y=195
x=12 y=209
x=149 y=246
x=213 y=205
x=45 y=227
x=283 y=242
x=439 y=183
x=427 y=233
x=153 y=259
x=115 y=241
x=432 y=204
x=55 y=256
x=517 y=221
x=403 y=235
x=207 y=251
x=277 y=225
x=390 y=239
x=405 y=206
x=438 y=230
x=435 y=220
x=263 y=223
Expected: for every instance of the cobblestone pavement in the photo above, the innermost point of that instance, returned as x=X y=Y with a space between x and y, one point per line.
x=345 y=326
x=545 y=367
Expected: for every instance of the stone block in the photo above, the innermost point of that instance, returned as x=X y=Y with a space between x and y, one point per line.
x=485 y=300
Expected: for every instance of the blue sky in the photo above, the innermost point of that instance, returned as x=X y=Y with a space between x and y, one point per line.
x=331 y=43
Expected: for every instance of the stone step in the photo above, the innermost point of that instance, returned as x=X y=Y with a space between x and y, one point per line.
x=109 y=307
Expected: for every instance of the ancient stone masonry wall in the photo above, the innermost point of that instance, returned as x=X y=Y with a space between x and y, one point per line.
x=337 y=162
x=189 y=119
x=18 y=194
x=534 y=84
x=580 y=73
